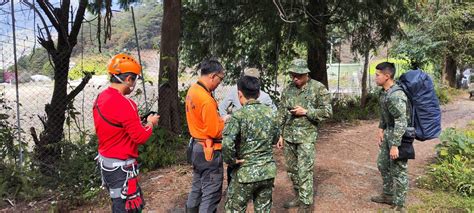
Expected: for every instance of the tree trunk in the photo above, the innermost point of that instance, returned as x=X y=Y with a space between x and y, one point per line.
x=364 y=92
x=449 y=71
x=47 y=149
x=168 y=100
x=317 y=41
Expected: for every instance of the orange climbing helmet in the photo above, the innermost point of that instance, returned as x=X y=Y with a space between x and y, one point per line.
x=123 y=63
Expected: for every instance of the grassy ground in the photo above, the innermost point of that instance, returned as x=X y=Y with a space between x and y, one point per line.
x=441 y=202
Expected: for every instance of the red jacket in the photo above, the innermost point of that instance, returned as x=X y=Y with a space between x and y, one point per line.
x=118 y=142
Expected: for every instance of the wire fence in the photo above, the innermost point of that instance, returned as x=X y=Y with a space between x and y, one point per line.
x=32 y=100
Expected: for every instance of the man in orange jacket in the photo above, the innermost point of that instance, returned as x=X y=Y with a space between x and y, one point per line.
x=205 y=126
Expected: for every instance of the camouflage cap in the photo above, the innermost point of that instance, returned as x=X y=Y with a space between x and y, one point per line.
x=252 y=72
x=299 y=66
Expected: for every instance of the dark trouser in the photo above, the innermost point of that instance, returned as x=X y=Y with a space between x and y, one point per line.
x=114 y=181
x=207 y=181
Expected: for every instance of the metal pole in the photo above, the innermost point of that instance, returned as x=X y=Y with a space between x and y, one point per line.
x=82 y=69
x=139 y=59
x=16 y=84
x=368 y=71
x=339 y=68
x=3 y=61
x=276 y=66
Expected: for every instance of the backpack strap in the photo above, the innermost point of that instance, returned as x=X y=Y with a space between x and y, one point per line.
x=397 y=87
x=96 y=106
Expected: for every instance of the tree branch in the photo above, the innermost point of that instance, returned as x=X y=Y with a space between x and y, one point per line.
x=79 y=88
x=78 y=20
x=45 y=6
x=26 y=2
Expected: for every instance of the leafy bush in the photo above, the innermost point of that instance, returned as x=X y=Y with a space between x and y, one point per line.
x=349 y=109
x=454 y=169
x=455 y=142
x=162 y=149
x=95 y=64
x=15 y=183
x=446 y=93
x=400 y=64
x=79 y=178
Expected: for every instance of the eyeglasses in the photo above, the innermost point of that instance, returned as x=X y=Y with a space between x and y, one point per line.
x=222 y=78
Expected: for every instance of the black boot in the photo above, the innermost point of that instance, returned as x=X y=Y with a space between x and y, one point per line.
x=192 y=210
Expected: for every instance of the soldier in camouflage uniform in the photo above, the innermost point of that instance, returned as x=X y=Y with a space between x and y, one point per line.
x=393 y=123
x=247 y=142
x=305 y=103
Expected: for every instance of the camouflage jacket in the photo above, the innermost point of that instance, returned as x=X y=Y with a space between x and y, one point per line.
x=249 y=135
x=315 y=98
x=394 y=114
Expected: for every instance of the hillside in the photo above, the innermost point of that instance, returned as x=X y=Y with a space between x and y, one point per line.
x=148 y=16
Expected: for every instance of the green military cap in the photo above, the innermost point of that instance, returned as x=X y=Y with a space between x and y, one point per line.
x=299 y=66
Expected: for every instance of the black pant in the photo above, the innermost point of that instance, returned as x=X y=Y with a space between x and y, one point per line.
x=206 y=188
x=114 y=180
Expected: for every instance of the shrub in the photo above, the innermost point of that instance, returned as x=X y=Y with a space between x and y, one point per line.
x=349 y=109
x=162 y=149
x=446 y=93
x=97 y=65
x=455 y=142
x=15 y=183
x=79 y=177
x=454 y=169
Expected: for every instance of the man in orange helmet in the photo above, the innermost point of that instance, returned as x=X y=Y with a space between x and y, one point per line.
x=205 y=126
x=120 y=132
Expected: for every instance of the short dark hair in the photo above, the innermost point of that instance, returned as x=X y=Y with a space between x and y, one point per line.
x=122 y=77
x=249 y=86
x=210 y=66
x=388 y=68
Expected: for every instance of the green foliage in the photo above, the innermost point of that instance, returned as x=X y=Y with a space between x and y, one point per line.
x=162 y=149
x=373 y=24
x=455 y=142
x=241 y=35
x=401 y=65
x=15 y=183
x=95 y=64
x=148 y=16
x=79 y=178
x=47 y=69
x=442 y=93
x=440 y=202
x=37 y=62
x=349 y=109
x=446 y=94
x=253 y=34
x=435 y=30
x=454 y=169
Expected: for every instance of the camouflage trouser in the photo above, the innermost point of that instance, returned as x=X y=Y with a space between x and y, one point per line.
x=394 y=175
x=239 y=194
x=300 y=164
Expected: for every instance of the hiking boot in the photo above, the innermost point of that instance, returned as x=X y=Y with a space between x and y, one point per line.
x=383 y=198
x=192 y=210
x=305 y=208
x=400 y=209
x=295 y=202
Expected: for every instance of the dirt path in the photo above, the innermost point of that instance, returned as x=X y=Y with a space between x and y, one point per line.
x=346 y=174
